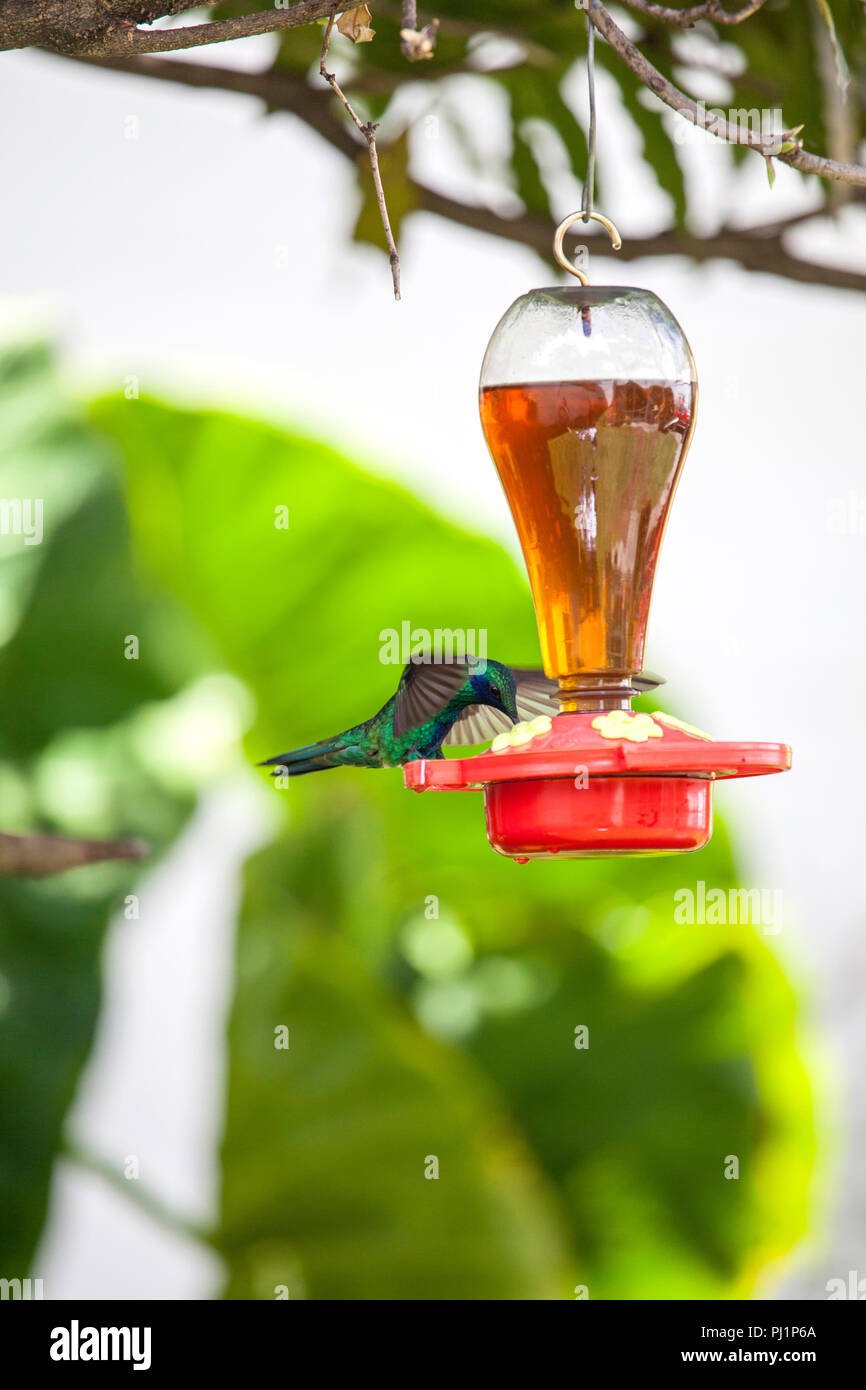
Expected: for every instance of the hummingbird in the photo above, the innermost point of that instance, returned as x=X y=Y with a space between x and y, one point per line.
x=436 y=703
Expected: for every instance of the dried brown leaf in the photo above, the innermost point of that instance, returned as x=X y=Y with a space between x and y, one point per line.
x=355 y=24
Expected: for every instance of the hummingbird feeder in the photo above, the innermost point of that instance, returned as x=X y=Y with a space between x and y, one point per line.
x=587 y=404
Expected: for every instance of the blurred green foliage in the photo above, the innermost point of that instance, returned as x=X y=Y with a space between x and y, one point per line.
x=69 y=761
x=431 y=990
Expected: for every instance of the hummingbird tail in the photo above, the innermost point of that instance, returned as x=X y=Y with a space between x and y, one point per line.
x=313 y=757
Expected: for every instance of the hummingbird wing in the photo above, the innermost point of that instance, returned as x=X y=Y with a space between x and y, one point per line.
x=477 y=724
x=536 y=694
x=646 y=680
x=425 y=689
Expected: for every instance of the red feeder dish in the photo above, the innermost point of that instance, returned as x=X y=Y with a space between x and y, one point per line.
x=596 y=784
x=587 y=403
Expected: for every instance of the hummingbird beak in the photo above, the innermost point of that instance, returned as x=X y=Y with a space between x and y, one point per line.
x=510 y=703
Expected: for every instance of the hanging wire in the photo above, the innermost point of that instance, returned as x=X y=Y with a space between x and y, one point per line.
x=587 y=211
x=589 y=182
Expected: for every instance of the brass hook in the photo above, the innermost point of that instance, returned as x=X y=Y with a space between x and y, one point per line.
x=559 y=238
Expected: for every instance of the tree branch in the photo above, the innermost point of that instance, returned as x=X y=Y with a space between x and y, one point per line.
x=221 y=30
x=110 y=27
x=763 y=253
x=759 y=249
x=33 y=856
x=280 y=89
x=769 y=147
x=685 y=19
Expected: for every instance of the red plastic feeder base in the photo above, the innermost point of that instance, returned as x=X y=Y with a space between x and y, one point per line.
x=610 y=815
x=590 y=785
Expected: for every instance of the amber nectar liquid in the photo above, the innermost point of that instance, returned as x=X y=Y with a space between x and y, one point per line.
x=589 y=469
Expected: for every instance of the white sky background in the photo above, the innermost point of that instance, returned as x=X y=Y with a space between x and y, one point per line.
x=210 y=257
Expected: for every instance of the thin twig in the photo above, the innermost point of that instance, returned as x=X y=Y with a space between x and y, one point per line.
x=131 y=1188
x=368 y=130
x=33 y=856
x=768 y=146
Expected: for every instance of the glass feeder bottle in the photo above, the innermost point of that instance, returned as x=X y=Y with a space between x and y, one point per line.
x=587 y=403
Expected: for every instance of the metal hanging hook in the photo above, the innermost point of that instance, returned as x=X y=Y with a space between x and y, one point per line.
x=558 y=240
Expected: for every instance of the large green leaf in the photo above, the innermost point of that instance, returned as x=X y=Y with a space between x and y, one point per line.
x=694 y=1054
x=692 y=1049
x=328 y=1139
x=680 y=1075
x=298 y=612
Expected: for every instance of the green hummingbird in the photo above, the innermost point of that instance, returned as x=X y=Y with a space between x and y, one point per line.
x=436 y=703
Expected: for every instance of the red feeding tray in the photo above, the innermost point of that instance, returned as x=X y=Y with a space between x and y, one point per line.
x=598 y=783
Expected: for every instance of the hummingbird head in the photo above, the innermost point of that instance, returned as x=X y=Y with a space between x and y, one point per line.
x=494 y=685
